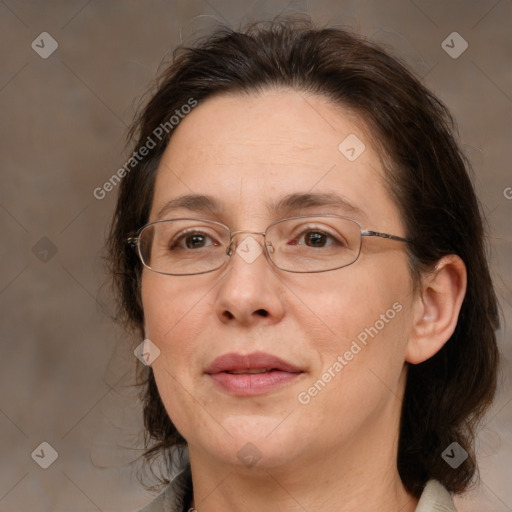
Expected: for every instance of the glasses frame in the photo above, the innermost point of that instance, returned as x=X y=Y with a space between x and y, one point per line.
x=134 y=241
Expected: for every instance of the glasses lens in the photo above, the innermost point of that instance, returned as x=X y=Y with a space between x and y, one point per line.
x=183 y=246
x=314 y=244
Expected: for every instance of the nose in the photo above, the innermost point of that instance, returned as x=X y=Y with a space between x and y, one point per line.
x=250 y=290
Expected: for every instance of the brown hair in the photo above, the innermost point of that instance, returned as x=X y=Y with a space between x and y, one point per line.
x=426 y=175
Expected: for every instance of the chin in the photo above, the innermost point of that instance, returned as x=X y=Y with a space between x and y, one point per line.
x=255 y=442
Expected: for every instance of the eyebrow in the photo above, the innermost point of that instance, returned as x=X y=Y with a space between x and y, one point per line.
x=290 y=204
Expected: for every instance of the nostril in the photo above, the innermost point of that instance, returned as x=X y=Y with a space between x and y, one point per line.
x=262 y=312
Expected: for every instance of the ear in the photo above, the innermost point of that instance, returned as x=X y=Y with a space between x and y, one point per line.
x=436 y=308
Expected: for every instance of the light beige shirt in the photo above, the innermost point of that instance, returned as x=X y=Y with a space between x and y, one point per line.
x=435 y=498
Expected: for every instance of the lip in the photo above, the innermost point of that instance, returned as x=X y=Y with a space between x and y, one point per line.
x=279 y=373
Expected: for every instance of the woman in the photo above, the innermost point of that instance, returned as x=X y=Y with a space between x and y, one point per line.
x=299 y=244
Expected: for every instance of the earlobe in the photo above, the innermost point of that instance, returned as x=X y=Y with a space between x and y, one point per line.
x=436 y=309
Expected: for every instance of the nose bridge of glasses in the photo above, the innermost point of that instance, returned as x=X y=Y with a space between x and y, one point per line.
x=233 y=234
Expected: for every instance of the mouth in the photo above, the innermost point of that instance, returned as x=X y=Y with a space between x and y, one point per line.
x=251 y=371
x=251 y=374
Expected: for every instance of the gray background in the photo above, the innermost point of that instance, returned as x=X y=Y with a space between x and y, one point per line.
x=66 y=370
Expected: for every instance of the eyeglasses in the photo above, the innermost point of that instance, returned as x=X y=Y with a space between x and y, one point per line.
x=303 y=244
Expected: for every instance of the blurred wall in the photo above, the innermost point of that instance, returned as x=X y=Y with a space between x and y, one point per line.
x=66 y=98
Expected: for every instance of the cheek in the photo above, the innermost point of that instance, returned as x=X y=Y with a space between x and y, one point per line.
x=172 y=306
x=355 y=301
x=364 y=310
x=174 y=314
x=362 y=361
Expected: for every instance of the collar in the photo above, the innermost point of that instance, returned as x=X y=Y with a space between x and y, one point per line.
x=435 y=498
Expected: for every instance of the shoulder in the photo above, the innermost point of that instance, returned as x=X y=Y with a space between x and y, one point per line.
x=435 y=498
x=173 y=498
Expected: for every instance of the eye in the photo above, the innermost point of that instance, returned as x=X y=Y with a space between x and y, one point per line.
x=192 y=239
x=317 y=238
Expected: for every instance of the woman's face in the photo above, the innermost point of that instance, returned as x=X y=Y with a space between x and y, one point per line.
x=344 y=332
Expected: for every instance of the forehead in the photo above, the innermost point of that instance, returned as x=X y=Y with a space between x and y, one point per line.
x=250 y=151
x=294 y=129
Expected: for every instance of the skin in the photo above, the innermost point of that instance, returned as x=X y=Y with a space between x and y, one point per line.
x=338 y=452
